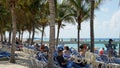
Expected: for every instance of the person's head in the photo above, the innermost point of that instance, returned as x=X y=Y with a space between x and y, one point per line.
x=103 y=48
x=110 y=40
x=66 y=48
x=83 y=46
x=60 y=52
x=37 y=45
x=42 y=47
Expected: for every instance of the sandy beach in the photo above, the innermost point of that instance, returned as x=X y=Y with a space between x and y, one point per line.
x=22 y=61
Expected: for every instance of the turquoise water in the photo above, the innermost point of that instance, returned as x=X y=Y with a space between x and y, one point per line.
x=88 y=39
x=98 y=46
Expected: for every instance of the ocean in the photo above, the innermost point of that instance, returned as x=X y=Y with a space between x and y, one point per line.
x=98 y=46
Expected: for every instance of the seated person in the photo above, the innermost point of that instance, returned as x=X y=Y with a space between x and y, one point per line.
x=83 y=49
x=101 y=51
x=61 y=60
x=42 y=52
x=37 y=47
x=46 y=51
x=64 y=63
x=66 y=52
x=102 y=55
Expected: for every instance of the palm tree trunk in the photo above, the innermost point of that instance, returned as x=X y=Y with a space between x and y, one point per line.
x=58 y=32
x=12 y=57
x=33 y=34
x=29 y=37
x=42 y=34
x=79 y=28
x=52 y=34
x=5 y=37
x=92 y=25
x=1 y=37
x=19 y=35
x=9 y=37
x=22 y=36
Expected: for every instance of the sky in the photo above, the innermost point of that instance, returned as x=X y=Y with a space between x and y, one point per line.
x=106 y=23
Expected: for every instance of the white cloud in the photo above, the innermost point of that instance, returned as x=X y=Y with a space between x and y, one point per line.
x=109 y=27
x=115 y=23
x=115 y=20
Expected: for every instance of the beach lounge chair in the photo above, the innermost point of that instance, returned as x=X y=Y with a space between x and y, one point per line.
x=4 y=55
x=105 y=58
x=41 y=59
x=1 y=56
x=116 y=60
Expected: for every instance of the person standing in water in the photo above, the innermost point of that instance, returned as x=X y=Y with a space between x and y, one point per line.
x=110 y=48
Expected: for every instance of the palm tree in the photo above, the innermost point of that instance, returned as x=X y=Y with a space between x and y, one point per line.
x=2 y=11
x=63 y=14
x=43 y=17
x=94 y=4
x=52 y=33
x=12 y=4
x=3 y=15
x=43 y=24
x=81 y=13
x=37 y=9
x=82 y=9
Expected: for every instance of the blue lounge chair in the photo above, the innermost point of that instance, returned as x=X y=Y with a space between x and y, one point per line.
x=5 y=54
x=1 y=56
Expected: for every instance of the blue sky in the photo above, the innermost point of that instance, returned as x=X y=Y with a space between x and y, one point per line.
x=107 y=23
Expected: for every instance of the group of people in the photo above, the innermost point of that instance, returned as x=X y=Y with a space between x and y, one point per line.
x=110 y=49
x=66 y=61
x=63 y=56
x=42 y=52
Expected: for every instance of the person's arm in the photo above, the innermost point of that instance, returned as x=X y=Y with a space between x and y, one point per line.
x=63 y=63
x=61 y=60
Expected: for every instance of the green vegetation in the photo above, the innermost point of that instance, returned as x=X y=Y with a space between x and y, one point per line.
x=18 y=16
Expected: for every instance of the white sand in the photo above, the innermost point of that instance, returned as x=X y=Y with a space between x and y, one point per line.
x=22 y=61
